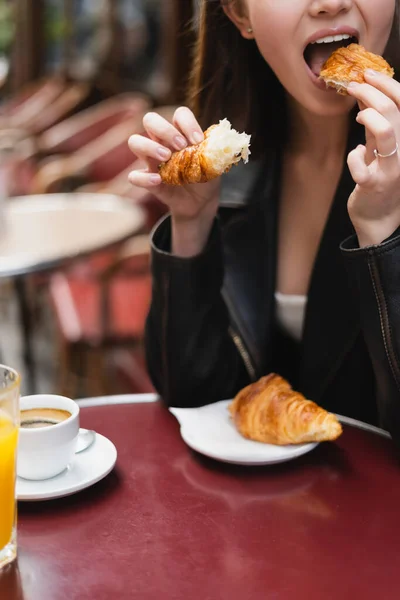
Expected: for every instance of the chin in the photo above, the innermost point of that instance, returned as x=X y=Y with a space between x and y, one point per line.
x=325 y=104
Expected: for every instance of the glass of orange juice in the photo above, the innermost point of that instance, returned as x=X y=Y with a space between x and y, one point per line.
x=9 y=424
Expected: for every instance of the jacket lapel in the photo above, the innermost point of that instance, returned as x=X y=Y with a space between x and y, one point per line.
x=332 y=317
x=250 y=256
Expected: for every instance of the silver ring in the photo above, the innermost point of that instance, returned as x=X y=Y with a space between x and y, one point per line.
x=379 y=155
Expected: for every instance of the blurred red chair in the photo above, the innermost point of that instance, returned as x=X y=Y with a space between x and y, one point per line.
x=103 y=160
x=98 y=315
x=18 y=161
x=79 y=130
x=98 y=161
x=71 y=99
x=29 y=101
x=42 y=104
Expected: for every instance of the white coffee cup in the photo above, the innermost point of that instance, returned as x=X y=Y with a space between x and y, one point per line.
x=45 y=452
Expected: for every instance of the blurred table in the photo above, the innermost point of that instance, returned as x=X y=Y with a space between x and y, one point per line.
x=42 y=233
x=170 y=524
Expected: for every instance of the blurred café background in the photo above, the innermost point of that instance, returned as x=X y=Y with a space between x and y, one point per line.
x=76 y=77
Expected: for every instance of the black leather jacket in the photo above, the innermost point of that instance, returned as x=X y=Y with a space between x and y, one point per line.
x=211 y=327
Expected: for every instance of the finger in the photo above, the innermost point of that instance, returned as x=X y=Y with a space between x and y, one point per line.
x=358 y=167
x=147 y=164
x=144 y=179
x=381 y=129
x=159 y=129
x=370 y=141
x=149 y=150
x=389 y=86
x=371 y=97
x=185 y=120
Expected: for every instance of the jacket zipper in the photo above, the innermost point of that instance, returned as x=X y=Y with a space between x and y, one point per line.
x=238 y=341
x=243 y=353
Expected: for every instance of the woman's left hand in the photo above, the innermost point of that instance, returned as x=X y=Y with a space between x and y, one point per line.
x=374 y=205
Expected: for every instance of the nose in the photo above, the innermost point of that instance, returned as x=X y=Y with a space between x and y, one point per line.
x=330 y=7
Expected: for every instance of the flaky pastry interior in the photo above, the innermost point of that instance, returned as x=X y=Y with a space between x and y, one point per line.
x=224 y=146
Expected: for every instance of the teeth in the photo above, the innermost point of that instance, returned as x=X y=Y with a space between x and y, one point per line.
x=332 y=38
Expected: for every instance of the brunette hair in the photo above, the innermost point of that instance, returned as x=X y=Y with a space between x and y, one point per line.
x=392 y=52
x=231 y=79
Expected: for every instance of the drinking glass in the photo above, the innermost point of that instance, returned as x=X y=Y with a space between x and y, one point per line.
x=9 y=424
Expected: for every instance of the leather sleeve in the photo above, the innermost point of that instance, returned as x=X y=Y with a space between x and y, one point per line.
x=375 y=275
x=191 y=357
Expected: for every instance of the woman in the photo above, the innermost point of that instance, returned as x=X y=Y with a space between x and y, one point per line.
x=292 y=263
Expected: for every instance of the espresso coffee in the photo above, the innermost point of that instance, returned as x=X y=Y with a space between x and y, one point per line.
x=42 y=417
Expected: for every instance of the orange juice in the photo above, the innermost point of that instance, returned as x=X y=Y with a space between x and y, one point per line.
x=8 y=450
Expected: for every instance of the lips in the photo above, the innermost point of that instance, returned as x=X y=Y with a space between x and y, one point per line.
x=332 y=31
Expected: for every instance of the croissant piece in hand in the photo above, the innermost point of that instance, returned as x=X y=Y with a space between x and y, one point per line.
x=348 y=64
x=222 y=147
x=270 y=411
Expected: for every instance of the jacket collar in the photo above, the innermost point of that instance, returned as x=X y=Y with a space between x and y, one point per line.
x=250 y=253
x=238 y=187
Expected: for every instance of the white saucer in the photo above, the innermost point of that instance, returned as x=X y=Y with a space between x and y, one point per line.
x=210 y=431
x=88 y=467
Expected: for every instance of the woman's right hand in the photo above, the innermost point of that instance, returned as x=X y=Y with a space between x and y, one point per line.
x=192 y=207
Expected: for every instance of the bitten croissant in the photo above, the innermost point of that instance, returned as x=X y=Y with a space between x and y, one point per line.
x=270 y=411
x=348 y=64
x=222 y=148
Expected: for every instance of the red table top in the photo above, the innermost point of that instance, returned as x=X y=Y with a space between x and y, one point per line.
x=168 y=524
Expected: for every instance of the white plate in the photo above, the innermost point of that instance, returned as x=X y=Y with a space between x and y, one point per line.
x=210 y=431
x=88 y=467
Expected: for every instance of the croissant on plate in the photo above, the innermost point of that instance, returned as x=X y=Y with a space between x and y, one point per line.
x=348 y=64
x=221 y=148
x=270 y=411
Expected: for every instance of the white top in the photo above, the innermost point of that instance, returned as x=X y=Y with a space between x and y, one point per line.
x=290 y=313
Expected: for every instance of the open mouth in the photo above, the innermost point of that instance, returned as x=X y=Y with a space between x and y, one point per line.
x=318 y=52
